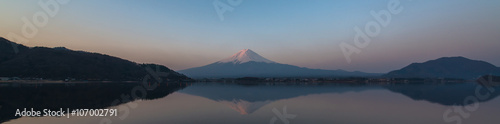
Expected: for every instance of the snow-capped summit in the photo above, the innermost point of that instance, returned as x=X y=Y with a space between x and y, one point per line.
x=244 y=56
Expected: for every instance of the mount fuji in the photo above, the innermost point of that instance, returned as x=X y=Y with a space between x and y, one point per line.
x=247 y=63
x=244 y=56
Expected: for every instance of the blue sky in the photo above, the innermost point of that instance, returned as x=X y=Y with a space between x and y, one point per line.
x=188 y=33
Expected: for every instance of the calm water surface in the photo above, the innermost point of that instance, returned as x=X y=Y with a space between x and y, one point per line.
x=215 y=103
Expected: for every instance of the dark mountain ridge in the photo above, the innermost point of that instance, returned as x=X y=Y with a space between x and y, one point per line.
x=446 y=67
x=61 y=63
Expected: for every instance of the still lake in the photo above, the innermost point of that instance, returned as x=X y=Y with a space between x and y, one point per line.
x=256 y=103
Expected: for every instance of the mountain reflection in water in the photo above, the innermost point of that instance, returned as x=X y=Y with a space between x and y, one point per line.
x=213 y=102
x=246 y=99
x=38 y=96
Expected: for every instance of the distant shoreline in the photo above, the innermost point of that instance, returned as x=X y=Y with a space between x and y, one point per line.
x=60 y=81
x=256 y=80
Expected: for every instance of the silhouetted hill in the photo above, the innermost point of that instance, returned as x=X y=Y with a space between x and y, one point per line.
x=7 y=50
x=62 y=63
x=446 y=67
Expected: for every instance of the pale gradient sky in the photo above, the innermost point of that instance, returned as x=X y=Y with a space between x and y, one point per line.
x=182 y=34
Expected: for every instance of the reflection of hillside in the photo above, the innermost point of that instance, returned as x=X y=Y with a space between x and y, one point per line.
x=444 y=94
x=247 y=99
x=77 y=96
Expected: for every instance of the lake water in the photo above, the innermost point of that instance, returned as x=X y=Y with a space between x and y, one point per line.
x=261 y=103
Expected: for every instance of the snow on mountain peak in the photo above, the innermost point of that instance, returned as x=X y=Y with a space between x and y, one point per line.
x=244 y=56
